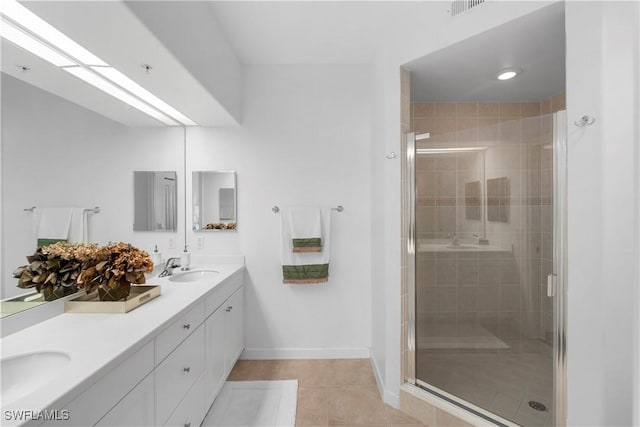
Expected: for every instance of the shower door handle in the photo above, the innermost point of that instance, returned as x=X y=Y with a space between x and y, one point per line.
x=551 y=285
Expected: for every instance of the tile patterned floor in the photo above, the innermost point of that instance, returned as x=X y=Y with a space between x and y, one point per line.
x=502 y=382
x=337 y=392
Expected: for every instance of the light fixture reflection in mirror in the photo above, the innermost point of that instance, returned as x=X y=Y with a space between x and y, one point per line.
x=214 y=200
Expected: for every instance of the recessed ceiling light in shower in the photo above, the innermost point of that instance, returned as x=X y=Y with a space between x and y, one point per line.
x=508 y=73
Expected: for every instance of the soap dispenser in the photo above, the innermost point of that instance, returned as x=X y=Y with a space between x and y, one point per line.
x=156 y=256
x=185 y=258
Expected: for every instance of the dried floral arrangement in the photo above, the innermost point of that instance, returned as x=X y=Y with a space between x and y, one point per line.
x=220 y=226
x=61 y=268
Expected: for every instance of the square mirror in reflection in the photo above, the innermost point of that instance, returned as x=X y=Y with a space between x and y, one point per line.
x=155 y=204
x=498 y=199
x=214 y=200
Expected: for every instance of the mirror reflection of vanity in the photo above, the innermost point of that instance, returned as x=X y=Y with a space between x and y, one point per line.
x=214 y=200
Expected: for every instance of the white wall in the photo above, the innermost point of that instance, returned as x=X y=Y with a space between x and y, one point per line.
x=305 y=140
x=602 y=81
x=55 y=153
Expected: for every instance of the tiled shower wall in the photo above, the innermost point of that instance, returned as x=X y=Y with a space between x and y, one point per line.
x=504 y=293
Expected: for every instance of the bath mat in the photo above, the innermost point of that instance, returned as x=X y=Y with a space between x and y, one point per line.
x=254 y=403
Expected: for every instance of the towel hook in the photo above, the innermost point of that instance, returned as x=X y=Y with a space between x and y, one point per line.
x=585 y=121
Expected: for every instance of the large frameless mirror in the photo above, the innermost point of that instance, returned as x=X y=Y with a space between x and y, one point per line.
x=155 y=204
x=214 y=200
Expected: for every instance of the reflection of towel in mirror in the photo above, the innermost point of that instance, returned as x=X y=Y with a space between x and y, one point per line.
x=53 y=225
x=78 y=229
x=306 y=228
x=305 y=267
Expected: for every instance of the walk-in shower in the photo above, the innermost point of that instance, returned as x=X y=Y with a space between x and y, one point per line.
x=484 y=208
x=484 y=248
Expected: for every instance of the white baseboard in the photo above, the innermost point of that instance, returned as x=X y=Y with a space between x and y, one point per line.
x=379 y=380
x=304 y=353
x=387 y=396
x=391 y=399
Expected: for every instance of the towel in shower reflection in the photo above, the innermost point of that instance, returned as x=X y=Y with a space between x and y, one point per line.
x=305 y=267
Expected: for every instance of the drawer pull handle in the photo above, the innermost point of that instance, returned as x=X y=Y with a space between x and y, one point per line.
x=187 y=425
x=187 y=369
x=229 y=308
x=187 y=326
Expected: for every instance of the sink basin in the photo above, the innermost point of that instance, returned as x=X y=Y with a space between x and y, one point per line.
x=26 y=373
x=193 y=276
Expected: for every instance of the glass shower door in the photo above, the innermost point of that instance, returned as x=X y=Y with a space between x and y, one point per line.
x=485 y=234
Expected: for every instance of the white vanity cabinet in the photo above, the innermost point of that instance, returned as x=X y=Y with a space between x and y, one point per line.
x=176 y=375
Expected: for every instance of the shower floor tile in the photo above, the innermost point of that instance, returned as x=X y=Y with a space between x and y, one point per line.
x=501 y=381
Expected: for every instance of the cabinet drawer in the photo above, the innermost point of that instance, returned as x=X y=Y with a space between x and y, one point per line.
x=223 y=291
x=135 y=409
x=191 y=411
x=175 y=376
x=92 y=404
x=173 y=335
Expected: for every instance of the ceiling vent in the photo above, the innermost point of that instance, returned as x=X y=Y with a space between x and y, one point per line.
x=459 y=6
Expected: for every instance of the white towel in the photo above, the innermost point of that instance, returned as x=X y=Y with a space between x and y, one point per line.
x=310 y=267
x=78 y=230
x=53 y=225
x=306 y=228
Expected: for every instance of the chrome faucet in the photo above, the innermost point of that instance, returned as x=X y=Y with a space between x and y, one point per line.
x=169 y=266
x=454 y=240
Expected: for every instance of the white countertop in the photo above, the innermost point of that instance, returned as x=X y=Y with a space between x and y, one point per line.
x=439 y=245
x=97 y=343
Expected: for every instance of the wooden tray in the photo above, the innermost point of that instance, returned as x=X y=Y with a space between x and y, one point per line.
x=90 y=303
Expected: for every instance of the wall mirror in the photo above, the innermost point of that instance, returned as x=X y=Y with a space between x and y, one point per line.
x=472 y=200
x=498 y=199
x=214 y=200
x=155 y=201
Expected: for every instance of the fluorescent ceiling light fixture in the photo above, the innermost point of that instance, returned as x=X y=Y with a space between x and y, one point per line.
x=28 y=43
x=38 y=26
x=133 y=87
x=30 y=32
x=508 y=73
x=450 y=150
x=116 y=92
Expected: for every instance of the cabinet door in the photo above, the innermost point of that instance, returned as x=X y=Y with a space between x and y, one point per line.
x=177 y=373
x=215 y=354
x=135 y=409
x=234 y=320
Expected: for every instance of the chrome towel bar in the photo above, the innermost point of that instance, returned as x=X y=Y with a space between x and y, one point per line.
x=339 y=208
